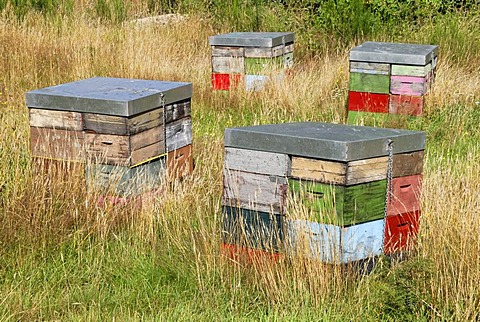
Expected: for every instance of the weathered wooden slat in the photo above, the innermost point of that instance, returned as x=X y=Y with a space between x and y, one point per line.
x=254 y=191
x=366 y=170
x=255 y=229
x=180 y=162
x=145 y=121
x=142 y=154
x=369 y=68
x=177 y=111
x=105 y=124
x=146 y=138
x=408 y=164
x=341 y=205
x=368 y=102
x=118 y=125
x=409 y=70
x=405 y=195
x=178 y=134
x=361 y=82
x=406 y=104
x=289 y=48
x=108 y=149
x=408 y=85
x=288 y=60
x=319 y=170
x=228 y=65
x=269 y=163
x=269 y=52
x=126 y=181
x=125 y=150
x=350 y=173
x=52 y=119
x=261 y=52
x=57 y=144
x=400 y=231
x=227 y=51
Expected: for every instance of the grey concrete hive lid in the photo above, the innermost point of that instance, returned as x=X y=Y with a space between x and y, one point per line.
x=394 y=53
x=109 y=96
x=337 y=142
x=252 y=39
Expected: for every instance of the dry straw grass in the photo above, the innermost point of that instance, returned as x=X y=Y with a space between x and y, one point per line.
x=184 y=223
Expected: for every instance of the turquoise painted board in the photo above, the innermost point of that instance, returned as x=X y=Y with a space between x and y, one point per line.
x=259 y=230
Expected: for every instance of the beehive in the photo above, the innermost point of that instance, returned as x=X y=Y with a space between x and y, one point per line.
x=250 y=58
x=339 y=178
x=389 y=79
x=128 y=133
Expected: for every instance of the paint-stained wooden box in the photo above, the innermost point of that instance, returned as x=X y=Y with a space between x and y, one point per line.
x=250 y=58
x=322 y=178
x=390 y=78
x=126 y=131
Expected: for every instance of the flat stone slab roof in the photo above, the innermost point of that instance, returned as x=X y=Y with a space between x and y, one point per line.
x=252 y=39
x=394 y=53
x=337 y=142
x=109 y=96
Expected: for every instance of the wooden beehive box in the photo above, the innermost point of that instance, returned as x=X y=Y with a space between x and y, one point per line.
x=388 y=80
x=323 y=189
x=130 y=133
x=250 y=58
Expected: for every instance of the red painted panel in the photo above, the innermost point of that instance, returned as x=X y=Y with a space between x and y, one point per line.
x=221 y=81
x=368 y=102
x=225 y=81
x=247 y=255
x=405 y=195
x=400 y=231
x=406 y=104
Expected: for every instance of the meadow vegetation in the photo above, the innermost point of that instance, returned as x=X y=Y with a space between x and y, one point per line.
x=64 y=258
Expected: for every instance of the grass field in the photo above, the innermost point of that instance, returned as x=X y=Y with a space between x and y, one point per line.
x=64 y=258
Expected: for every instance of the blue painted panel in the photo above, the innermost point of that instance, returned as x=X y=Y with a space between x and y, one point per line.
x=314 y=240
x=255 y=82
x=362 y=241
x=334 y=244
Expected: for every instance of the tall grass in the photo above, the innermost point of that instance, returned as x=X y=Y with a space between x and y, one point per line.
x=64 y=258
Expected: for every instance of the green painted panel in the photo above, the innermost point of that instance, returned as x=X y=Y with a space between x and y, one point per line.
x=396 y=121
x=340 y=205
x=324 y=202
x=261 y=66
x=372 y=83
x=406 y=70
x=364 y=202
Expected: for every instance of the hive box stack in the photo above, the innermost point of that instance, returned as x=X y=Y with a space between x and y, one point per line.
x=127 y=134
x=321 y=189
x=388 y=79
x=250 y=58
